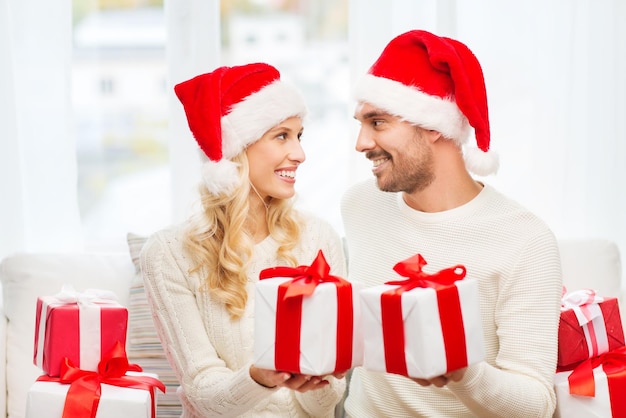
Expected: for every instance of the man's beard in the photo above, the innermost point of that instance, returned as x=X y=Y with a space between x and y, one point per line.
x=408 y=176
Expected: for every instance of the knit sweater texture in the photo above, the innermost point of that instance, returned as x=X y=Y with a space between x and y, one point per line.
x=212 y=353
x=515 y=259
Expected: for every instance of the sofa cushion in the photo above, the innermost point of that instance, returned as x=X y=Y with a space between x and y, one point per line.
x=143 y=345
x=25 y=277
x=591 y=263
x=142 y=341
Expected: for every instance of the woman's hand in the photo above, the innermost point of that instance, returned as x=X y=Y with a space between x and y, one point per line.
x=293 y=381
x=268 y=378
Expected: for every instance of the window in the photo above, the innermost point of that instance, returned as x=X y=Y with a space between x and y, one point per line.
x=106 y=86
x=122 y=125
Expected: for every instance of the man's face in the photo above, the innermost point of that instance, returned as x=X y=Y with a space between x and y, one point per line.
x=400 y=152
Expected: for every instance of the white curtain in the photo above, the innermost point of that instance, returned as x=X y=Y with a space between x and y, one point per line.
x=11 y=220
x=38 y=209
x=556 y=83
x=193 y=47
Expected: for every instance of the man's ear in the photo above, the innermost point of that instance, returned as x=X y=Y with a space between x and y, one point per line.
x=433 y=136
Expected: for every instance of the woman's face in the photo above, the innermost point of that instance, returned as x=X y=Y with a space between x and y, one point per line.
x=274 y=159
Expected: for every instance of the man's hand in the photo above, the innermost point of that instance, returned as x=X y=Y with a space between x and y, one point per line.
x=298 y=382
x=304 y=383
x=441 y=381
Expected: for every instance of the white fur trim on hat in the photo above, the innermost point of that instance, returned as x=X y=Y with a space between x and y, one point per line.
x=249 y=119
x=428 y=112
x=221 y=176
x=415 y=106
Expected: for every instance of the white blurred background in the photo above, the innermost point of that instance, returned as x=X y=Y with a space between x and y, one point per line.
x=94 y=144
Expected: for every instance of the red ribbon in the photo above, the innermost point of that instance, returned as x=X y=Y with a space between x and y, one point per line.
x=83 y=395
x=449 y=313
x=581 y=380
x=289 y=312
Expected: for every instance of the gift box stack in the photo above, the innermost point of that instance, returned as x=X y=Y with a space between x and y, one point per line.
x=591 y=368
x=389 y=328
x=80 y=347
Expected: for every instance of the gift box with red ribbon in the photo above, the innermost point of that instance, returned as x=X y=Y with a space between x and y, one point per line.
x=595 y=388
x=590 y=325
x=306 y=320
x=79 y=326
x=425 y=326
x=46 y=399
x=116 y=389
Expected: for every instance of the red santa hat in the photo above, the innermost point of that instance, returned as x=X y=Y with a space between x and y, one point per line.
x=231 y=108
x=436 y=83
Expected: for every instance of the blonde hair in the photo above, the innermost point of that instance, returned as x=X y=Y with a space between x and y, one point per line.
x=221 y=247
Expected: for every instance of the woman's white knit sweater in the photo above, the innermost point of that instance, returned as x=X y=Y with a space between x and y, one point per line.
x=515 y=259
x=211 y=353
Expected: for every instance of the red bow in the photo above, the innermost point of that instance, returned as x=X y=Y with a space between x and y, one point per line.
x=289 y=312
x=83 y=396
x=306 y=278
x=581 y=381
x=411 y=268
x=450 y=314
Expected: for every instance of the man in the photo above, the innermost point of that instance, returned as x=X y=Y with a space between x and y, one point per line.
x=416 y=106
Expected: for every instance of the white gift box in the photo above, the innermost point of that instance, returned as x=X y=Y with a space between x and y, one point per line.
x=568 y=405
x=424 y=351
x=47 y=399
x=318 y=328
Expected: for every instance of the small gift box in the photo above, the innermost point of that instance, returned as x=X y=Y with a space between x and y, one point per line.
x=306 y=321
x=590 y=325
x=117 y=389
x=79 y=326
x=595 y=388
x=424 y=326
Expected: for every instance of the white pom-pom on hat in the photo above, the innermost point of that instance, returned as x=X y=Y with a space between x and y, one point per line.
x=220 y=176
x=480 y=162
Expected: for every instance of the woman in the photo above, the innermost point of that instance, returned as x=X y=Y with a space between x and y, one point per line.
x=200 y=276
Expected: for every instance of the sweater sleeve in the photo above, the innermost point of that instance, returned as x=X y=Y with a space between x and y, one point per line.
x=208 y=385
x=520 y=384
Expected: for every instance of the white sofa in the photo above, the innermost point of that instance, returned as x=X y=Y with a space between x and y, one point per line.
x=586 y=264
x=24 y=277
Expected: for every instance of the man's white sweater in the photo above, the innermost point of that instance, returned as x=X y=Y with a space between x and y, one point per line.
x=515 y=259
